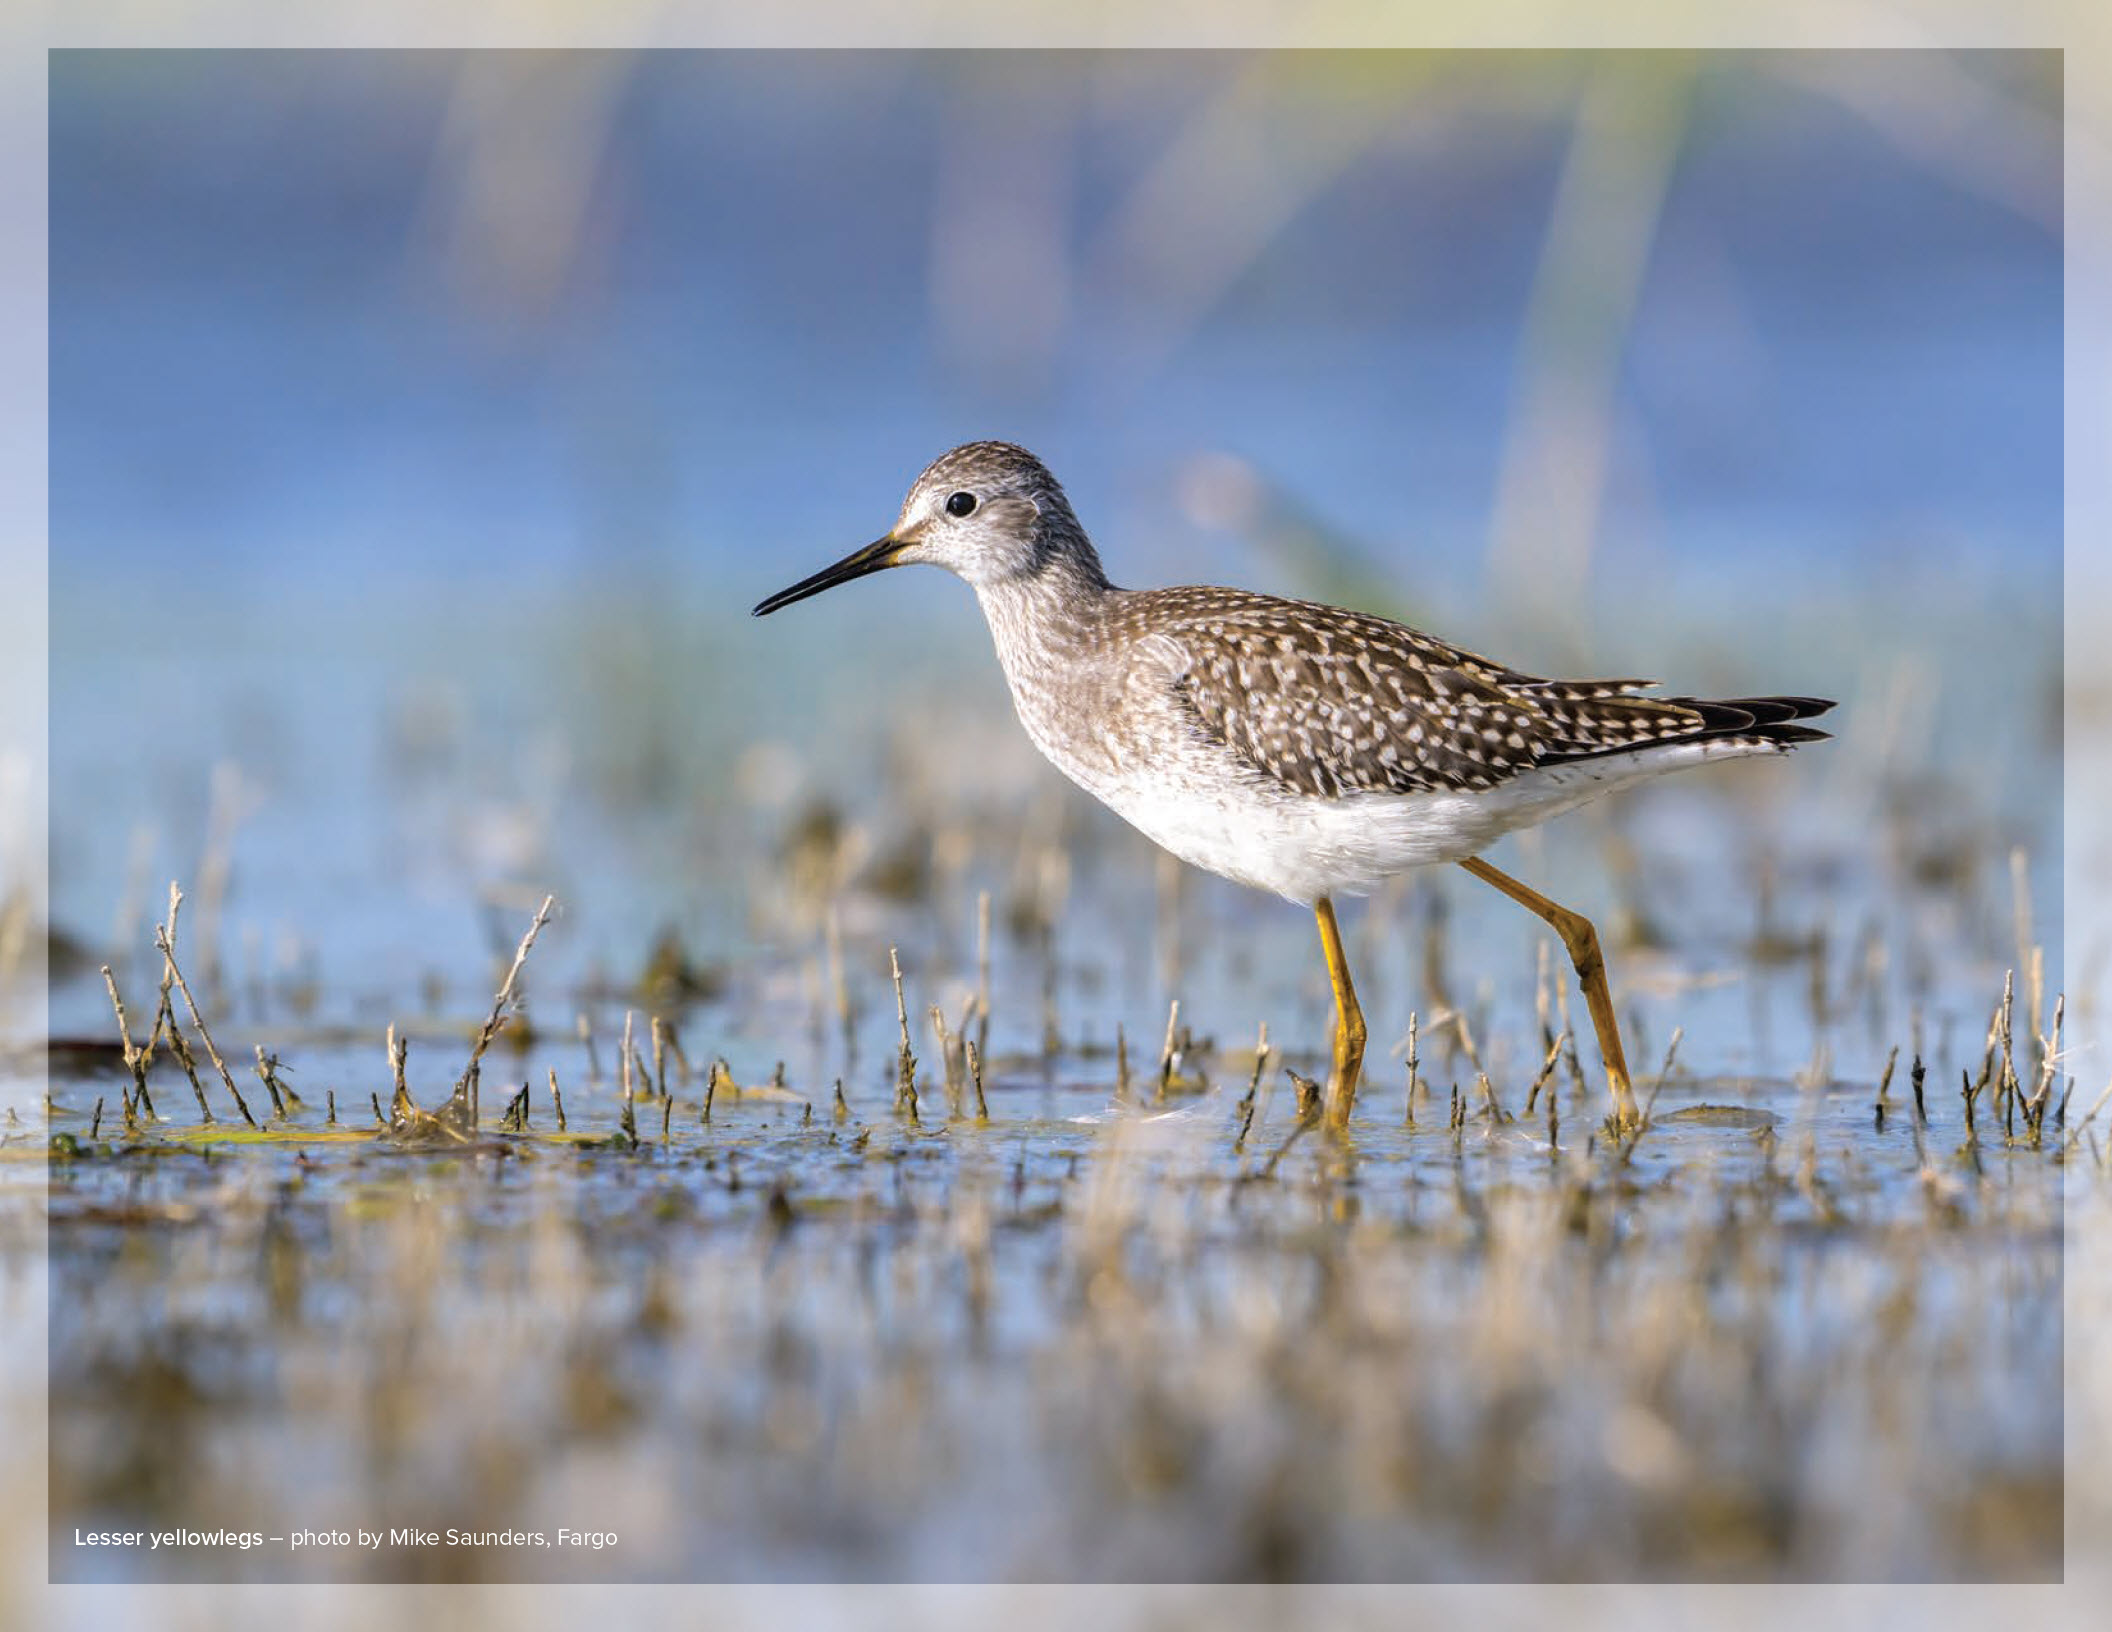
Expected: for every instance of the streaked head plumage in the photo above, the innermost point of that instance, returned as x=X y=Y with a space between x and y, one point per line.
x=988 y=512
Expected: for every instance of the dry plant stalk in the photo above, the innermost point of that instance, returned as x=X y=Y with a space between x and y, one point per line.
x=2049 y=1073
x=1546 y=1071
x=267 y=1070
x=399 y=1048
x=502 y=1002
x=164 y=940
x=630 y=1114
x=1497 y=1114
x=135 y=1059
x=946 y=1060
x=1168 y=1053
x=1249 y=1099
x=1415 y=1060
x=1309 y=1095
x=905 y=1061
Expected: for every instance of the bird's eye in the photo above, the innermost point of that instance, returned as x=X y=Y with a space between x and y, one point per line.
x=960 y=504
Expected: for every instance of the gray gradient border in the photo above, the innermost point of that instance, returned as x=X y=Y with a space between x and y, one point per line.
x=2082 y=28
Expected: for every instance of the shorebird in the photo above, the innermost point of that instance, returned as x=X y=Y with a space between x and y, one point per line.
x=1306 y=750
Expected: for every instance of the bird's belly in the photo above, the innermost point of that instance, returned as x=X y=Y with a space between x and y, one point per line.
x=1302 y=847
x=1187 y=797
x=1293 y=845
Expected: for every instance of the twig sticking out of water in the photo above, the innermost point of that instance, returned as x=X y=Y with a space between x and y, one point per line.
x=135 y=1059
x=659 y=1057
x=1664 y=1071
x=1121 y=1063
x=905 y=1061
x=1546 y=1071
x=399 y=1052
x=164 y=1008
x=330 y=1100
x=557 y=1100
x=719 y=1071
x=1884 y=1083
x=267 y=1069
x=1497 y=1114
x=948 y=1058
x=1971 y=1090
x=1168 y=1053
x=1916 y=1075
x=975 y=1075
x=1309 y=1095
x=1306 y=1121
x=163 y=939
x=503 y=1002
x=1248 y=1099
x=2049 y=1074
x=1414 y=1060
x=2006 y=1083
x=630 y=1114
x=842 y=1108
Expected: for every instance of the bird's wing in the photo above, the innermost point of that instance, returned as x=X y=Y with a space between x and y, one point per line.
x=1330 y=702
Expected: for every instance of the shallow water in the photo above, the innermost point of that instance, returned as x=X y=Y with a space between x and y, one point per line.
x=1083 y=1336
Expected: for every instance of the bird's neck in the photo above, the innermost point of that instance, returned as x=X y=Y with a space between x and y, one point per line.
x=1040 y=619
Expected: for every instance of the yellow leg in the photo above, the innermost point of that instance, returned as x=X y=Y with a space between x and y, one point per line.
x=1349 y=1019
x=1583 y=944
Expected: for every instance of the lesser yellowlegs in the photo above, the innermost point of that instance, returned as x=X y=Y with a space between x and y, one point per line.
x=1297 y=748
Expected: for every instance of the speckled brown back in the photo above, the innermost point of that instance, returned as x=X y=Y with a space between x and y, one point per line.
x=1327 y=702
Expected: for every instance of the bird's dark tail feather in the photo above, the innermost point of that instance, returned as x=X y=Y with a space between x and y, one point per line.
x=1762 y=719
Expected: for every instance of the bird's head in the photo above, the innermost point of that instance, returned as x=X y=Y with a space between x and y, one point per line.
x=988 y=512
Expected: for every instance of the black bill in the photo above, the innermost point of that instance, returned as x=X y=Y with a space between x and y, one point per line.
x=876 y=555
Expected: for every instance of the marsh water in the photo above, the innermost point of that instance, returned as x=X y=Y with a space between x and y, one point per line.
x=1108 y=1324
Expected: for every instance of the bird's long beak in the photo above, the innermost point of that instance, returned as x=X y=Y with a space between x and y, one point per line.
x=876 y=555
